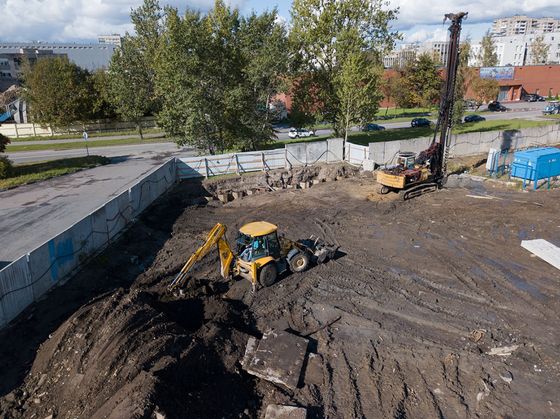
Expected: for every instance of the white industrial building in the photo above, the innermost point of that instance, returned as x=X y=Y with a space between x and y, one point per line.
x=515 y=50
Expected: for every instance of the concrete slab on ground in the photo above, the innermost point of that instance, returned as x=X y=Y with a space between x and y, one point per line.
x=278 y=357
x=544 y=250
x=276 y=411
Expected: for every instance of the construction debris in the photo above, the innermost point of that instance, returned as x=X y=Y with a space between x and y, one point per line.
x=503 y=351
x=544 y=250
x=278 y=357
x=276 y=411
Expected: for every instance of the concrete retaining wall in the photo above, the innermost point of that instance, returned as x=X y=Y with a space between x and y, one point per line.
x=470 y=144
x=32 y=130
x=31 y=276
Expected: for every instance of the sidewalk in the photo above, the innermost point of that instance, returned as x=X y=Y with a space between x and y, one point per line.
x=91 y=139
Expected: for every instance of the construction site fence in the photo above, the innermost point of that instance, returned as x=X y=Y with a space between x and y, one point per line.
x=292 y=155
x=36 y=130
x=471 y=144
x=27 y=279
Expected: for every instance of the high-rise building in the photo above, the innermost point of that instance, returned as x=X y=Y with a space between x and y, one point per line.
x=517 y=50
x=522 y=25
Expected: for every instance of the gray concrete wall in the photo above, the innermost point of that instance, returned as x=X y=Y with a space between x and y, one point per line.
x=470 y=144
x=31 y=276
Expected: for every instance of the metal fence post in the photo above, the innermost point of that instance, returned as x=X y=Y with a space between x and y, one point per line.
x=263 y=162
x=237 y=168
x=206 y=166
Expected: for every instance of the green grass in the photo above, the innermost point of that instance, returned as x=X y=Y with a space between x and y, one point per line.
x=81 y=144
x=79 y=135
x=500 y=125
x=36 y=172
x=364 y=138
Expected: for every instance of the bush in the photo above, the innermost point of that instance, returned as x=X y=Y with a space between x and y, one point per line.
x=4 y=141
x=6 y=168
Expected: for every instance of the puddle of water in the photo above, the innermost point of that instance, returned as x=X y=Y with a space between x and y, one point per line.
x=516 y=280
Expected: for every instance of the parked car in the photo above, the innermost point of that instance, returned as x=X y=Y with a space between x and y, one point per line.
x=420 y=122
x=534 y=97
x=496 y=107
x=474 y=118
x=552 y=108
x=300 y=133
x=373 y=127
x=470 y=104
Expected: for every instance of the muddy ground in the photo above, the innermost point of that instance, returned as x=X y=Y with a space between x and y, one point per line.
x=405 y=320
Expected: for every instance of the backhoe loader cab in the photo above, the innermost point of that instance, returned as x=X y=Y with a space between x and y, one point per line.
x=260 y=255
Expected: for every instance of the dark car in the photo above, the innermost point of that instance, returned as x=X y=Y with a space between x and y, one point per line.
x=373 y=127
x=420 y=122
x=496 y=107
x=533 y=97
x=474 y=118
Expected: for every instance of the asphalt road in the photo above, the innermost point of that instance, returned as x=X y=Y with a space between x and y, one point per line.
x=32 y=214
x=518 y=110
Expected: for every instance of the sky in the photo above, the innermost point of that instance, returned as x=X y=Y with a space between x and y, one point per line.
x=82 y=20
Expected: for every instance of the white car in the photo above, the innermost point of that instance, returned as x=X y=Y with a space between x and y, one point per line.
x=300 y=133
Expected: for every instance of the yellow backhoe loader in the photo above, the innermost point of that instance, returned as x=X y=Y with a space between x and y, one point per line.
x=260 y=254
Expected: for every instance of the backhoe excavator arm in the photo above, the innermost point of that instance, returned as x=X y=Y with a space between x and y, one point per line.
x=215 y=237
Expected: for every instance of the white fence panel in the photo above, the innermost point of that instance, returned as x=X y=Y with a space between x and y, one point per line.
x=191 y=167
x=296 y=154
x=317 y=152
x=357 y=154
x=16 y=292
x=335 y=150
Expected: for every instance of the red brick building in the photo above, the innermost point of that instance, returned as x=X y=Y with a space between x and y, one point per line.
x=541 y=79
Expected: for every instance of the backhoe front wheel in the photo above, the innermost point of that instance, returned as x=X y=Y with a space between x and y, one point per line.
x=299 y=262
x=268 y=275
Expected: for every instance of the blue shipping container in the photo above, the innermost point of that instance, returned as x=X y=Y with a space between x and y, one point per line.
x=536 y=164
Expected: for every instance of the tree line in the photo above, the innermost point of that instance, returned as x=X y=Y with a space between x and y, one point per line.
x=212 y=79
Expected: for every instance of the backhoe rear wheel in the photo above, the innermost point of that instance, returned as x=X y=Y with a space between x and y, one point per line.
x=268 y=275
x=299 y=262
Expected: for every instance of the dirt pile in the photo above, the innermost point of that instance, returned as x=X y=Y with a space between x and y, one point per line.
x=281 y=179
x=130 y=354
x=432 y=309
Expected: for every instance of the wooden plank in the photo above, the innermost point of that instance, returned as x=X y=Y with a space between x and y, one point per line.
x=544 y=250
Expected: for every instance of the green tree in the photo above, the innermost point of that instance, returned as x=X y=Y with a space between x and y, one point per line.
x=539 y=51
x=132 y=74
x=325 y=34
x=265 y=62
x=197 y=78
x=102 y=107
x=484 y=90
x=419 y=83
x=218 y=75
x=4 y=141
x=357 y=90
x=487 y=55
x=57 y=91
